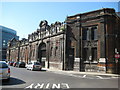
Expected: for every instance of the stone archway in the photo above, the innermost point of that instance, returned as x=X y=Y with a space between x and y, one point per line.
x=42 y=53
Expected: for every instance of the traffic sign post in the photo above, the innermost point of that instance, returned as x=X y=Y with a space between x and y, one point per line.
x=117 y=56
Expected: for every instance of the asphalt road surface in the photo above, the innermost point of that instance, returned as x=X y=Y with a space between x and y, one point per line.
x=22 y=78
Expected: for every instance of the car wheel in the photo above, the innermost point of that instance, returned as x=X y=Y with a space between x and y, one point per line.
x=7 y=80
x=18 y=66
x=28 y=69
x=32 y=69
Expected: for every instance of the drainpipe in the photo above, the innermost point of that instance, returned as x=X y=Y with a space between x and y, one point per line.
x=80 y=46
x=64 y=46
x=79 y=54
x=105 y=36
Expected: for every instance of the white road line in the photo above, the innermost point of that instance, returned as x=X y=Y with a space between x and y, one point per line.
x=84 y=76
x=99 y=77
x=114 y=77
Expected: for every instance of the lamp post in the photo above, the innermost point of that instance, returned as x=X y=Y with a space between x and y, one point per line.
x=105 y=38
x=48 y=27
x=18 y=51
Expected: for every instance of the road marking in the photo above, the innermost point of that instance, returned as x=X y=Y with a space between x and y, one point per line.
x=48 y=85
x=99 y=77
x=84 y=76
x=114 y=77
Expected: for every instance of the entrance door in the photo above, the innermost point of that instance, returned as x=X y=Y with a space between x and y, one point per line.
x=71 y=59
x=42 y=53
x=90 y=57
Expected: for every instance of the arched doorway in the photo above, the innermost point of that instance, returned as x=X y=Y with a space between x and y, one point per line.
x=42 y=53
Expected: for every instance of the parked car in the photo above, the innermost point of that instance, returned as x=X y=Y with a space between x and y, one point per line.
x=20 y=64
x=4 y=71
x=14 y=64
x=34 y=65
x=11 y=63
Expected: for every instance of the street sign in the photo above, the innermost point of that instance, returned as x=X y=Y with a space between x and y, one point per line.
x=90 y=58
x=117 y=56
x=77 y=59
x=116 y=61
x=102 y=60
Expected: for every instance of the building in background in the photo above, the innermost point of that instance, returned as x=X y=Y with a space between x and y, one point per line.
x=85 y=42
x=6 y=34
x=118 y=13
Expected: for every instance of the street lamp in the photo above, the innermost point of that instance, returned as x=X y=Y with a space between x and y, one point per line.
x=48 y=27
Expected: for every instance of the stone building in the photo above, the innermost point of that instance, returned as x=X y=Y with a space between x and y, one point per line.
x=45 y=45
x=85 y=42
x=93 y=39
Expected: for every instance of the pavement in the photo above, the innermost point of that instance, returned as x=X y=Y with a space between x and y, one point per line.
x=100 y=75
x=48 y=79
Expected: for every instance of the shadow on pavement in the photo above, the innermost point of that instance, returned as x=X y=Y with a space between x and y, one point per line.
x=12 y=81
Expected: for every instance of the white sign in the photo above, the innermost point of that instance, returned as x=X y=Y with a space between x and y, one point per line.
x=77 y=59
x=102 y=60
x=43 y=59
x=90 y=57
x=117 y=56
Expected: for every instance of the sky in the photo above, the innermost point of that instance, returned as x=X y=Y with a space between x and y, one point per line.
x=24 y=17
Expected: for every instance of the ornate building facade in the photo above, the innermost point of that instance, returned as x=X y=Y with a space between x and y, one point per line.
x=45 y=45
x=85 y=42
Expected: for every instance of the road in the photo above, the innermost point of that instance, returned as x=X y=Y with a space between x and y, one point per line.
x=22 y=78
